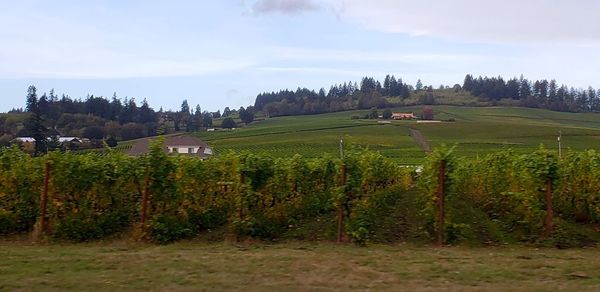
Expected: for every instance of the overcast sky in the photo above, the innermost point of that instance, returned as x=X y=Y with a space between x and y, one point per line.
x=223 y=52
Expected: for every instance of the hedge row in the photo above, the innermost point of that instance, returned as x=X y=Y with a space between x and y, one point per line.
x=496 y=198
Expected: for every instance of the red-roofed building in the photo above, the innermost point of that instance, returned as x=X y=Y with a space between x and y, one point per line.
x=404 y=116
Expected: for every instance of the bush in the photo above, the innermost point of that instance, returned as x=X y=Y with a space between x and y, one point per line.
x=260 y=227
x=8 y=222
x=85 y=227
x=387 y=216
x=207 y=219
x=166 y=229
x=387 y=114
x=569 y=235
x=228 y=123
x=78 y=228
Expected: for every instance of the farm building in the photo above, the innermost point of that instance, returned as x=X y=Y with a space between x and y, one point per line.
x=404 y=116
x=24 y=140
x=63 y=140
x=70 y=139
x=176 y=145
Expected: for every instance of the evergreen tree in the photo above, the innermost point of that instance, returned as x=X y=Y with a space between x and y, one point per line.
x=52 y=96
x=394 y=87
x=35 y=122
x=116 y=107
x=386 y=86
x=468 y=84
x=512 y=88
x=130 y=112
x=228 y=123
x=247 y=115
x=544 y=89
x=185 y=115
x=322 y=96
x=196 y=119
x=524 y=88
x=552 y=90
x=206 y=120
x=147 y=114
x=185 y=108
x=226 y=112
x=419 y=86
x=43 y=105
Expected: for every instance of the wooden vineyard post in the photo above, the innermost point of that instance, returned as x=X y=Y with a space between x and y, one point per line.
x=44 y=221
x=441 y=203
x=238 y=193
x=240 y=196
x=340 y=211
x=549 y=210
x=145 y=200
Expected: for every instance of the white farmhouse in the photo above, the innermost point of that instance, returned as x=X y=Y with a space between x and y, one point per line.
x=176 y=145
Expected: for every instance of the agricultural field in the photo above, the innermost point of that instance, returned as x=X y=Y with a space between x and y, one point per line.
x=126 y=265
x=474 y=130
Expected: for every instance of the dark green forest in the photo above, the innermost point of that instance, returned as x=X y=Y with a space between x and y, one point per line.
x=371 y=93
x=98 y=118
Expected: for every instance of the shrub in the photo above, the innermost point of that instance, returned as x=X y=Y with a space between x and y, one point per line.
x=569 y=235
x=261 y=227
x=166 y=229
x=228 y=123
x=86 y=227
x=78 y=228
x=8 y=222
x=208 y=219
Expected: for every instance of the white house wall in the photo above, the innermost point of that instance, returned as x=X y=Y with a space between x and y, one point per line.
x=183 y=149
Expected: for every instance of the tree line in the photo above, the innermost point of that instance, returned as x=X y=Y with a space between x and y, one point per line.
x=347 y=96
x=539 y=93
x=97 y=118
x=371 y=93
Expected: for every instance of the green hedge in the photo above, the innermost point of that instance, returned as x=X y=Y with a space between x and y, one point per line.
x=493 y=199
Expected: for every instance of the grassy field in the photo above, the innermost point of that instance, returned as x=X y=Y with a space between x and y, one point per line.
x=192 y=266
x=475 y=131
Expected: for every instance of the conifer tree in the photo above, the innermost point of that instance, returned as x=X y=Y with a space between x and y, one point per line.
x=35 y=122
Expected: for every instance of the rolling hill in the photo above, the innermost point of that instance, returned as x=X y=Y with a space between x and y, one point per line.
x=474 y=131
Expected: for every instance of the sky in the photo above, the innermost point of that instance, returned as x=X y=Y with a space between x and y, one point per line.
x=219 y=53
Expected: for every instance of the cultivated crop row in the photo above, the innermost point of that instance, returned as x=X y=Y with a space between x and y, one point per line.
x=498 y=198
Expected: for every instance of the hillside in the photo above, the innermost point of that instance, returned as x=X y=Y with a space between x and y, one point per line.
x=475 y=130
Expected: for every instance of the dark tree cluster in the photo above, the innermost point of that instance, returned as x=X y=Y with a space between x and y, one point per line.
x=346 y=96
x=246 y=114
x=191 y=121
x=540 y=93
x=96 y=118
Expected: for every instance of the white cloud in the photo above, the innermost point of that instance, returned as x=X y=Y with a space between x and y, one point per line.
x=562 y=21
x=60 y=47
x=320 y=70
x=84 y=62
x=291 y=7
x=305 y=54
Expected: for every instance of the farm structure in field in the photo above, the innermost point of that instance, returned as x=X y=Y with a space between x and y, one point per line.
x=176 y=145
x=403 y=116
x=71 y=143
x=59 y=138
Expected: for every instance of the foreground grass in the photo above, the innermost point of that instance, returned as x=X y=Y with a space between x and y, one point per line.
x=293 y=266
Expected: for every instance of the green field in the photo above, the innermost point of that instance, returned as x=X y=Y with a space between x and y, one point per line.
x=475 y=131
x=193 y=266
